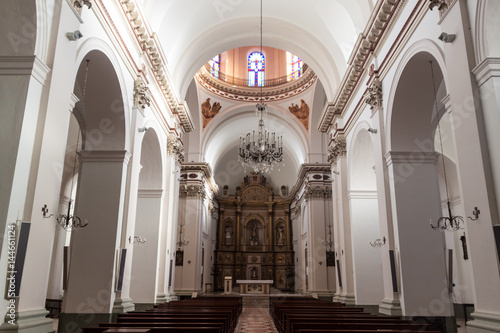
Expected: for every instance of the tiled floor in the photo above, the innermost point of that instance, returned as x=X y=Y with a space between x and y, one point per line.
x=255 y=320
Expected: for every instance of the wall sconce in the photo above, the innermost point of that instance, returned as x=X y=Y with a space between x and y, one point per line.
x=75 y=35
x=447 y=38
x=45 y=211
x=142 y=129
x=136 y=240
x=475 y=212
x=378 y=242
x=372 y=130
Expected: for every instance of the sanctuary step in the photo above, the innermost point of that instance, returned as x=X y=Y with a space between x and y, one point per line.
x=256 y=302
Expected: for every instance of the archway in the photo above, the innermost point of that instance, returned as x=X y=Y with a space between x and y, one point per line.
x=367 y=260
x=415 y=189
x=147 y=223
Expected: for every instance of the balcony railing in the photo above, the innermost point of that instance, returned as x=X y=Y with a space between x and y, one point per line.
x=239 y=82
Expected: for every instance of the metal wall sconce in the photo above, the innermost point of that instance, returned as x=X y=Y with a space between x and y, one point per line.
x=476 y=213
x=75 y=35
x=372 y=130
x=70 y=222
x=447 y=38
x=378 y=242
x=142 y=129
x=136 y=240
x=45 y=211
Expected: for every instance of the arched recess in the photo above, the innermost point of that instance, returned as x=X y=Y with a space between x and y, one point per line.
x=487 y=29
x=101 y=182
x=413 y=174
x=367 y=260
x=147 y=226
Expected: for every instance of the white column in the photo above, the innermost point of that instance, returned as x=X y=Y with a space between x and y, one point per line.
x=95 y=248
x=145 y=258
x=476 y=130
x=390 y=304
x=420 y=249
x=343 y=228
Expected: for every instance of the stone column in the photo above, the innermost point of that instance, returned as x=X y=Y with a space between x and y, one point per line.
x=476 y=126
x=342 y=226
x=390 y=304
x=420 y=255
x=95 y=248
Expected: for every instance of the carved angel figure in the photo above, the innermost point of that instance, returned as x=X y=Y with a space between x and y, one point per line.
x=209 y=111
x=302 y=112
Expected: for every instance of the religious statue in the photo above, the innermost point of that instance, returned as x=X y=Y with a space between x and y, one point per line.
x=301 y=112
x=209 y=111
x=281 y=235
x=254 y=238
x=228 y=231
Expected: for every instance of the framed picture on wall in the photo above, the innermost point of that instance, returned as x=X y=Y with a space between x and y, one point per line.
x=179 y=258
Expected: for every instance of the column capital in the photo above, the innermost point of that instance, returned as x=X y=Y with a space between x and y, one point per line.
x=336 y=149
x=142 y=96
x=193 y=191
x=174 y=146
x=373 y=95
x=488 y=68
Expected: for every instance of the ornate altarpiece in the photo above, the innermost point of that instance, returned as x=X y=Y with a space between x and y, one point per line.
x=254 y=239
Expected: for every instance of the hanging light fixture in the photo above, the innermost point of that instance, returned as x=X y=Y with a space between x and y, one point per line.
x=68 y=221
x=449 y=222
x=264 y=152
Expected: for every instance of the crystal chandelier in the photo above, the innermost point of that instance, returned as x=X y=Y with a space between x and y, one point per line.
x=263 y=150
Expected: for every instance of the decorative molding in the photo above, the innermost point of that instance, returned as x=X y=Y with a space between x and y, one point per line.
x=367 y=42
x=249 y=94
x=87 y=156
x=411 y=157
x=373 y=95
x=488 y=68
x=24 y=65
x=142 y=96
x=149 y=193
x=362 y=194
x=73 y=100
x=337 y=148
x=194 y=191
x=323 y=192
x=174 y=146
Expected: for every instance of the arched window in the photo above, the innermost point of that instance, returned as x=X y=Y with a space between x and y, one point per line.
x=294 y=67
x=215 y=66
x=256 y=69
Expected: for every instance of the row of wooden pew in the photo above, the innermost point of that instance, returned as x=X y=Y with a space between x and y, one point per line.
x=205 y=314
x=308 y=315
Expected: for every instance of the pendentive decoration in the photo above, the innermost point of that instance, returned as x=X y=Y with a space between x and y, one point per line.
x=209 y=111
x=301 y=112
x=261 y=151
x=449 y=222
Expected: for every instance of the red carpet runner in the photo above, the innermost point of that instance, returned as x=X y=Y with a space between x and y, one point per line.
x=255 y=320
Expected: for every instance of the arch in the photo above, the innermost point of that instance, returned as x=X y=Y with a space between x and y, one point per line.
x=361 y=159
x=487 y=29
x=118 y=103
x=151 y=162
x=419 y=54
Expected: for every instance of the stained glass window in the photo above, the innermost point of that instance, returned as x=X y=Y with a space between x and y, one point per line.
x=215 y=66
x=294 y=66
x=256 y=69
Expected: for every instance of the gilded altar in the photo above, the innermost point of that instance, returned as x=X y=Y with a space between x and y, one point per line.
x=254 y=236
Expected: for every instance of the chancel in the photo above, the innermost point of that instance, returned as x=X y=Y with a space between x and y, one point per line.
x=293 y=165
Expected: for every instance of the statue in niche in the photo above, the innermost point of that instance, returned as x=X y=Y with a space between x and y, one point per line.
x=209 y=111
x=228 y=230
x=280 y=235
x=254 y=238
x=301 y=112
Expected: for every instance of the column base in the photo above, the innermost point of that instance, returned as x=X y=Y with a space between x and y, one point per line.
x=484 y=322
x=74 y=322
x=123 y=305
x=172 y=297
x=348 y=299
x=143 y=306
x=390 y=307
x=323 y=294
x=336 y=298
x=161 y=298
x=32 y=321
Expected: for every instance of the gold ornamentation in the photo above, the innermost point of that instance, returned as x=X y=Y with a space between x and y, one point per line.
x=142 y=96
x=209 y=111
x=254 y=194
x=301 y=112
x=337 y=149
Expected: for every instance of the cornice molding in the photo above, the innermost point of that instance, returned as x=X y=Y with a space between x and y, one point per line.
x=411 y=157
x=96 y=156
x=488 y=68
x=24 y=65
x=149 y=193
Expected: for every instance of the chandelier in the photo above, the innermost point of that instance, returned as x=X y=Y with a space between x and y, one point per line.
x=261 y=151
